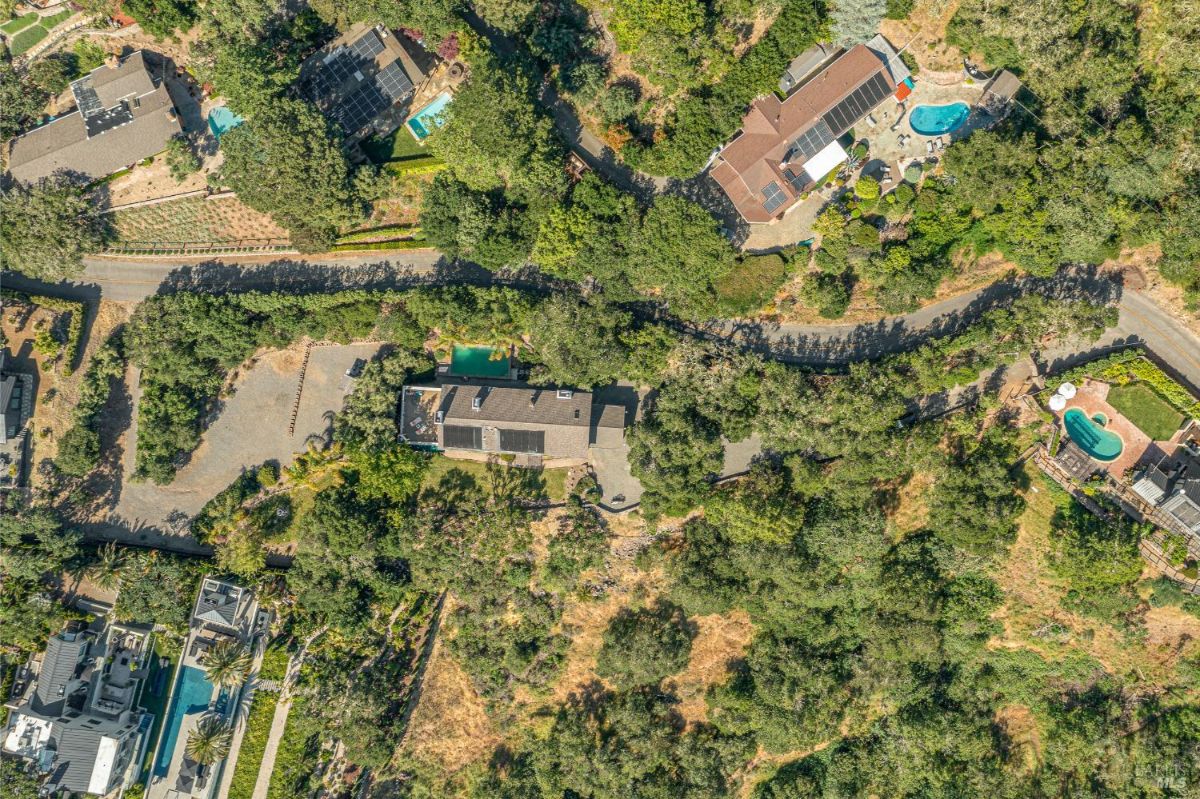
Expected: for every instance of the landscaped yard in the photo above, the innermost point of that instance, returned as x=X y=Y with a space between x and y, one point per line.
x=297 y=755
x=254 y=743
x=195 y=219
x=400 y=153
x=554 y=479
x=1149 y=412
x=31 y=31
x=156 y=703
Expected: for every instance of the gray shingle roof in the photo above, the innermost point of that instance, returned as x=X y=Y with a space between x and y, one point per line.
x=129 y=78
x=65 y=144
x=538 y=406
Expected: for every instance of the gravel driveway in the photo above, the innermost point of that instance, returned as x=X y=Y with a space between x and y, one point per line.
x=252 y=428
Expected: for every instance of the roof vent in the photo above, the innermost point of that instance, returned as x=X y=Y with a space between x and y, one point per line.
x=565 y=393
x=476 y=403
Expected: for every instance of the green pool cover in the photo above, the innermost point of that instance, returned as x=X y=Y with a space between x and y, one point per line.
x=477 y=362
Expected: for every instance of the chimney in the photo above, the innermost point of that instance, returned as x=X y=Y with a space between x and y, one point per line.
x=112 y=61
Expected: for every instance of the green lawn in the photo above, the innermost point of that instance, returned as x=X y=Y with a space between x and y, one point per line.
x=254 y=743
x=554 y=480
x=400 y=146
x=32 y=34
x=1153 y=415
x=19 y=23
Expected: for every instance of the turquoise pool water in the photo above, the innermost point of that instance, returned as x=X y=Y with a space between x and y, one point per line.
x=934 y=120
x=477 y=362
x=221 y=120
x=429 y=117
x=1091 y=437
x=192 y=695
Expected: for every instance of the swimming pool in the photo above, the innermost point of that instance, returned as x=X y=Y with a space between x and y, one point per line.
x=934 y=120
x=221 y=120
x=477 y=362
x=192 y=695
x=429 y=117
x=1091 y=437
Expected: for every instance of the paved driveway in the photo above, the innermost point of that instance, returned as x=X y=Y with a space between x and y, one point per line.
x=252 y=428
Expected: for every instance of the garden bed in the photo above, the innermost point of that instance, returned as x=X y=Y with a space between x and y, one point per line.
x=195 y=219
x=30 y=33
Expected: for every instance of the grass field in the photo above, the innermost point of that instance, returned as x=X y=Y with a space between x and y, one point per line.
x=19 y=23
x=1153 y=415
x=554 y=479
x=254 y=743
x=30 y=34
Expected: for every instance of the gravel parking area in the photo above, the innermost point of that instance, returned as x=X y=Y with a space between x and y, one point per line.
x=252 y=428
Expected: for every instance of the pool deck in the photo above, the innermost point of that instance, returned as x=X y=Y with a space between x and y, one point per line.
x=1091 y=398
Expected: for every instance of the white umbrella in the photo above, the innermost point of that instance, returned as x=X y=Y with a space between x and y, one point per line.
x=1058 y=402
x=1067 y=390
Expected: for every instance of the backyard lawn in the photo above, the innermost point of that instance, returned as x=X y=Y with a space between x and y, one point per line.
x=1153 y=415
x=554 y=480
x=30 y=33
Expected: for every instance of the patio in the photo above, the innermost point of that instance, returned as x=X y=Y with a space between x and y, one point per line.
x=1091 y=398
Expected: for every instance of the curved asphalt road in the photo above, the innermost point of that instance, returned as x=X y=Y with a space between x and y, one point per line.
x=1141 y=321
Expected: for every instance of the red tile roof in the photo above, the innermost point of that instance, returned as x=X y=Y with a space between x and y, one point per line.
x=755 y=157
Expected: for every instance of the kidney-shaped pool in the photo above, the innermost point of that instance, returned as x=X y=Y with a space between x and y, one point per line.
x=1101 y=444
x=934 y=120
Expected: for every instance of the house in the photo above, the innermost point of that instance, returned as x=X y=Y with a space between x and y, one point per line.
x=16 y=408
x=1173 y=486
x=123 y=115
x=558 y=424
x=364 y=80
x=75 y=713
x=787 y=146
x=222 y=612
x=999 y=93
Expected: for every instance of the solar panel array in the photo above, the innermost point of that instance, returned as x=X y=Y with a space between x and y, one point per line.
x=523 y=441
x=333 y=73
x=811 y=141
x=797 y=180
x=459 y=437
x=858 y=103
x=368 y=46
x=773 y=197
x=360 y=107
x=394 y=83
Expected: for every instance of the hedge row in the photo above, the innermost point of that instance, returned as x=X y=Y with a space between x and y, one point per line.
x=1131 y=366
x=403 y=244
x=79 y=447
x=379 y=232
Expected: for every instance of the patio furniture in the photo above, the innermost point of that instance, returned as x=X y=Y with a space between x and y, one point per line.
x=929 y=147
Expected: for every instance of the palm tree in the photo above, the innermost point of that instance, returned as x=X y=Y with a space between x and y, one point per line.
x=209 y=740
x=108 y=569
x=226 y=663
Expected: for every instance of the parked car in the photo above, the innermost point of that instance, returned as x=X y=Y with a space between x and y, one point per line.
x=356 y=368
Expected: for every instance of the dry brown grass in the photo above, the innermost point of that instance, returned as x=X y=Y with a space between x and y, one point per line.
x=1034 y=619
x=924 y=31
x=721 y=639
x=912 y=509
x=864 y=307
x=52 y=417
x=449 y=726
x=1020 y=729
x=195 y=219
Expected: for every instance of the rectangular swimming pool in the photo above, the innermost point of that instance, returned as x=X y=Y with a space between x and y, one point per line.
x=477 y=362
x=424 y=121
x=192 y=695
